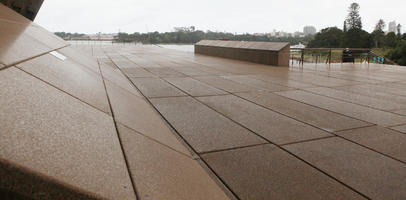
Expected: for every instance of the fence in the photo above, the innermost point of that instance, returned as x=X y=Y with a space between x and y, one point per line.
x=336 y=55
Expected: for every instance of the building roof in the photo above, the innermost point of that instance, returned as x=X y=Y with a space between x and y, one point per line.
x=27 y=8
x=271 y=46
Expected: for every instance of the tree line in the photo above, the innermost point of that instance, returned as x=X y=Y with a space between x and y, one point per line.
x=353 y=36
x=192 y=36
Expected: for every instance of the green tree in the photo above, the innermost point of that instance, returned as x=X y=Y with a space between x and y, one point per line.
x=354 y=19
x=357 y=38
x=399 y=29
x=380 y=26
x=391 y=40
x=378 y=34
x=345 y=26
x=327 y=38
x=398 y=54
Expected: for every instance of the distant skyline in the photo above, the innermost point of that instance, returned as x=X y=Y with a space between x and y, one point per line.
x=235 y=16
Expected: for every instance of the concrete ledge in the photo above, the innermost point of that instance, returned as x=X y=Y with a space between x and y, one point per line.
x=268 y=53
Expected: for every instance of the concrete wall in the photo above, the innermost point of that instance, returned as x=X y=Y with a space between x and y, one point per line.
x=277 y=56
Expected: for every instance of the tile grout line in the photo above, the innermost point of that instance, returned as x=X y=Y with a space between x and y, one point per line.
x=267 y=91
x=227 y=190
x=30 y=58
x=276 y=93
x=341 y=114
x=283 y=149
x=334 y=133
x=309 y=140
x=280 y=147
x=150 y=138
x=119 y=139
x=374 y=108
x=48 y=83
x=233 y=148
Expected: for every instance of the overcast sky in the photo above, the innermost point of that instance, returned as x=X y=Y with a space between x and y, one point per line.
x=236 y=16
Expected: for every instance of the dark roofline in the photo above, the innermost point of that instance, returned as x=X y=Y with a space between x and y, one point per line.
x=27 y=8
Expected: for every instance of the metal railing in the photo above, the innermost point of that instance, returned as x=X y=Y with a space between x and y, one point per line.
x=336 y=55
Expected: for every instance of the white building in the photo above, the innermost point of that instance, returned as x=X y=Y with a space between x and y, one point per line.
x=309 y=30
x=392 y=27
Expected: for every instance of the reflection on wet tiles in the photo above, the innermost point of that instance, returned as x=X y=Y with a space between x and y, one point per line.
x=70 y=77
x=401 y=128
x=358 y=99
x=370 y=173
x=134 y=112
x=353 y=110
x=202 y=127
x=225 y=84
x=273 y=126
x=194 y=87
x=51 y=133
x=380 y=139
x=249 y=81
x=266 y=172
x=155 y=87
x=321 y=118
x=162 y=173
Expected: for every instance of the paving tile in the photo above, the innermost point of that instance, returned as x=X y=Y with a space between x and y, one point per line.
x=266 y=172
x=271 y=125
x=380 y=139
x=320 y=80
x=161 y=173
x=156 y=87
x=194 y=87
x=369 y=75
x=213 y=71
x=191 y=71
x=315 y=116
x=374 y=93
x=283 y=80
x=137 y=73
x=352 y=77
x=247 y=80
x=164 y=72
x=137 y=114
x=401 y=128
x=397 y=85
x=81 y=58
x=46 y=37
x=225 y=84
x=55 y=135
x=16 y=43
x=368 y=172
x=358 y=99
x=360 y=112
x=204 y=129
x=125 y=63
x=400 y=112
x=115 y=76
x=387 y=89
x=70 y=77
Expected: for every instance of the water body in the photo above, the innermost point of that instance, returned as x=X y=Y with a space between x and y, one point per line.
x=89 y=42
